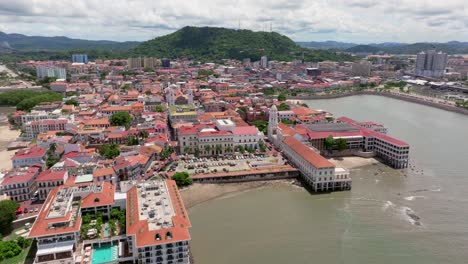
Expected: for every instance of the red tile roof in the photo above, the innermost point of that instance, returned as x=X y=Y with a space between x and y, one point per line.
x=50 y=175
x=308 y=154
x=139 y=228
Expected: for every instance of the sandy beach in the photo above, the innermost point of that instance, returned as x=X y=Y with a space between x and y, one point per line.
x=199 y=193
x=7 y=136
x=353 y=162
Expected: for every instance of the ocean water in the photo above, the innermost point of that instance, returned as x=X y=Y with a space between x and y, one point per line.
x=417 y=215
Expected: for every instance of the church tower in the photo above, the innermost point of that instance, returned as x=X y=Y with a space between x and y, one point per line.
x=272 y=122
x=170 y=95
x=190 y=96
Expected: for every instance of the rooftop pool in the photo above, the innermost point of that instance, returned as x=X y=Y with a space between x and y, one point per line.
x=105 y=254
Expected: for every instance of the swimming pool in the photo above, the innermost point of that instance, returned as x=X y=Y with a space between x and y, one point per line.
x=105 y=254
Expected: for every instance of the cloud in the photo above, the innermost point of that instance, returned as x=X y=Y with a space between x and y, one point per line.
x=347 y=20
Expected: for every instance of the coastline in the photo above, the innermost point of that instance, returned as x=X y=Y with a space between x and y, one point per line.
x=8 y=136
x=386 y=94
x=199 y=193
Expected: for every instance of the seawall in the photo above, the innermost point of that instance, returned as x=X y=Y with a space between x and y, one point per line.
x=386 y=94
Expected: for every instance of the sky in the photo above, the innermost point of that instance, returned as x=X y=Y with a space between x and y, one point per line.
x=358 y=21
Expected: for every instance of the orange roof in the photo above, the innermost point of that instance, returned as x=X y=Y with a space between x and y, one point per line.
x=105 y=197
x=308 y=154
x=103 y=172
x=41 y=225
x=286 y=130
x=139 y=228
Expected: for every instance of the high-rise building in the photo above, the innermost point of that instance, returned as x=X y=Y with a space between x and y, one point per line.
x=80 y=58
x=166 y=63
x=431 y=63
x=134 y=63
x=51 y=72
x=264 y=62
x=361 y=68
x=149 y=62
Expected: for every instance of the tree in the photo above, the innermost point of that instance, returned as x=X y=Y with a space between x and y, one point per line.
x=282 y=97
x=9 y=249
x=262 y=146
x=121 y=119
x=109 y=151
x=132 y=141
x=147 y=69
x=197 y=152
x=72 y=102
x=284 y=107
x=240 y=149
x=228 y=149
x=207 y=148
x=261 y=125
x=305 y=105
x=219 y=148
x=159 y=109
x=166 y=152
x=186 y=149
x=7 y=215
x=341 y=144
x=148 y=92
x=143 y=134
x=329 y=142
x=182 y=179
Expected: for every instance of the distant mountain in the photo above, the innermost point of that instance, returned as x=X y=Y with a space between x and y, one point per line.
x=364 y=49
x=212 y=43
x=452 y=47
x=326 y=44
x=21 y=42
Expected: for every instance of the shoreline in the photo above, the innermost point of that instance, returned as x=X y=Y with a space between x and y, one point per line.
x=8 y=136
x=415 y=100
x=199 y=193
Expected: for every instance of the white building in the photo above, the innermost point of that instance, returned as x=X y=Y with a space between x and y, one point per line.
x=51 y=72
x=264 y=62
x=431 y=63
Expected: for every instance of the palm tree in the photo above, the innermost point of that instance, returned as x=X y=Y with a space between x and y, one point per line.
x=228 y=149
x=187 y=149
x=219 y=148
x=207 y=148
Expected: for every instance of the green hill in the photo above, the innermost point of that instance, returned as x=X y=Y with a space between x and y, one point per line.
x=210 y=43
x=21 y=42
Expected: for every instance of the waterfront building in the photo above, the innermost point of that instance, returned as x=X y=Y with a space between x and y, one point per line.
x=34 y=128
x=431 y=63
x=317 y=171
x=157 y=223
x=35 y=115
x=80 y=58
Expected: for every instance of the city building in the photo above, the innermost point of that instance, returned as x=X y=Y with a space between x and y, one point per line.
x=57 y=226
x=431 y=63
x=157 y=223
x=150 y=62
x=134 y=63
x=18 y=183
x=28 y=157
x=51 y=72
x=223 y=137
x=80 y=58
x=264 y=62
x=362 y=68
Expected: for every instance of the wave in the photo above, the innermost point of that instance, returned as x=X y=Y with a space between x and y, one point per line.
x=411 y=198
x=409 y=215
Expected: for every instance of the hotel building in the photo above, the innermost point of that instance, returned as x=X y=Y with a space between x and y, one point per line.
x=157 y=224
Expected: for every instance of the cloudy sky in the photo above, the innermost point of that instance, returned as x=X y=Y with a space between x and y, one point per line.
x=361 y=21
